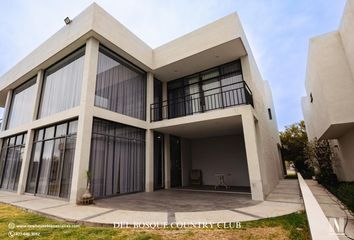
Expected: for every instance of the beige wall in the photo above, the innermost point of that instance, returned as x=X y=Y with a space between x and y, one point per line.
x=331 y=83
x=330 y=80
x=346 y=153
x=224 y=154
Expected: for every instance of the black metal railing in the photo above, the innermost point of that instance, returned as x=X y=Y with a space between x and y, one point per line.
x=215 y=98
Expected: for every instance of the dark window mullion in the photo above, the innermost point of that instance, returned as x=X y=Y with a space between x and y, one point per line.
x=62 y=166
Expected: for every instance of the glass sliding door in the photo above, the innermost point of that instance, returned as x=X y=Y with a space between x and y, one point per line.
x=159 y=170
x=176 y=101
x=52 y=160
x=157 y=113
x=232 y=85
x=211 y=89
x=117 y=161
x=219 y=87
x=176 y=164
x=192 y=95
x=11 y=158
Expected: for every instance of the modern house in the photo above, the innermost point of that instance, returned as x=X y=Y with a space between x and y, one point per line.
x=193 y=113
x=328 y=107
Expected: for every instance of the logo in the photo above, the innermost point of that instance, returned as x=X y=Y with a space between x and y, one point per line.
x=11 y=225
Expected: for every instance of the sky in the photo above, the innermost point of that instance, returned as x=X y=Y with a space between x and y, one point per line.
x=278 y=32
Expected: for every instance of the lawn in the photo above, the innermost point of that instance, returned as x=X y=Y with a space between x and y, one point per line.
x=292 y=226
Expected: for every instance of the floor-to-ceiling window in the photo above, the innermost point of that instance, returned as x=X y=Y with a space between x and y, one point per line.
x=22 y=104
x=117 y=161
x=159 y=170
x=120 y=86
x=11 y=161
x=158 y=108
x=215 y=88
x=52 y=160
x=62 y=84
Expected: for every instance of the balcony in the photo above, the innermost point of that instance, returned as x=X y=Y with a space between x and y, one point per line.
x=215 y=98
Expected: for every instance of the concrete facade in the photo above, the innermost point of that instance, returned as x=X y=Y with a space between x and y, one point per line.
x=202 y=49
x=329 y=86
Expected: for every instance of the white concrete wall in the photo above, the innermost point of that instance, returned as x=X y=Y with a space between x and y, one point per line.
x=267 y=131
x=346 y=31
x=224 y=154
x=330 y=80
x=346 y=151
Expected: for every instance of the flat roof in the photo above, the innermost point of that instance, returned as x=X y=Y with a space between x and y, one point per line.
x=203 y=48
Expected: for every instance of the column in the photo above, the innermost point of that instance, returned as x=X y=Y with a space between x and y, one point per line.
x=25 y=162
x=254 y=171
x=7 y=110
x=167 y=160
x=84 y=130
x=39 y=84
x=149 y=140
x=30 y=136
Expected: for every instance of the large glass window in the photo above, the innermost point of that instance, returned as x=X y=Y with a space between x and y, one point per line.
x=117 y=162
x=11 y=160
x=120 y=87
x=215 y=88
x=52 y=160
x=62 y=85
x=158 y=108
x=22 y=104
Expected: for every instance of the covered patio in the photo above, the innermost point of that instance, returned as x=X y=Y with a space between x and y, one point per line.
x=202 y=154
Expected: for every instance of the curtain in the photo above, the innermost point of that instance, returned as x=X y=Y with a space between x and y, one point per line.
x=22 y=104
x=215 y=88
x=117 y=161
x=52 y=160
x=120 y=87
x=11 y=161
x=62 y=85
x=176 y=99
x=232 y=85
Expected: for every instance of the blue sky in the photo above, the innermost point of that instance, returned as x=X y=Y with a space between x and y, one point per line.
x=278 y=32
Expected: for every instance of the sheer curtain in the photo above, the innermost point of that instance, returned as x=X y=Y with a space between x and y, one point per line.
x=11 y=161
x=22 y=104
x=52 y=160
x=117 y=161
x=62 y=85
x=120 y=87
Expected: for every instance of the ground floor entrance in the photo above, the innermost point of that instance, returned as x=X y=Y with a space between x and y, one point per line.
x=213 y=163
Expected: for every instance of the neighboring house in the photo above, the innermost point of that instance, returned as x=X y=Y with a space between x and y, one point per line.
x=94 y=96
x=328 y=107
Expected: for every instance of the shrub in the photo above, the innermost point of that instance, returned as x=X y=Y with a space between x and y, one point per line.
x=320 y=157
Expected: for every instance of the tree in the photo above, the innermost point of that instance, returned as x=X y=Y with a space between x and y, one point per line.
x=294 y=142
x=320 y=157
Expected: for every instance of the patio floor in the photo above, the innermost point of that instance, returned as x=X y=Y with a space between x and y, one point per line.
x=167 y=206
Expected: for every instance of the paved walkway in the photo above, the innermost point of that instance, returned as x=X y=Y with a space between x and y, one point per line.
x=332 y=208
x=167 y=206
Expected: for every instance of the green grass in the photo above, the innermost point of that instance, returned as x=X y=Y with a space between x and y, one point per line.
x=344 y=191
x=291 y=176
x=292 y=226
x=295 y=224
